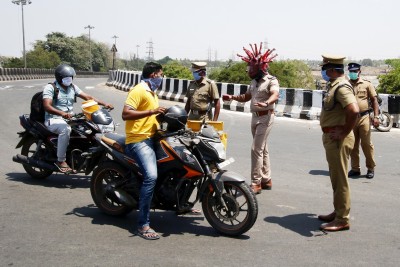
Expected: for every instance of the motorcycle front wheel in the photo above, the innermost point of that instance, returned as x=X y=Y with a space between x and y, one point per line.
x=385 y=122
x=237 y=214
x=104 y=179
x=30 y=149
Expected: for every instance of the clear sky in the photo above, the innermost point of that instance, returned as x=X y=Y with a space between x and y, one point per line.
x=219 y=29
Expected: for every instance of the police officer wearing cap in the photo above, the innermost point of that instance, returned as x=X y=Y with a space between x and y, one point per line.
x=201 y=94
x=338 y=117
x=367 y=101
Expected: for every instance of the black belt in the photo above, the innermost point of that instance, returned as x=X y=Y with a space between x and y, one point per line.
x=364 y=113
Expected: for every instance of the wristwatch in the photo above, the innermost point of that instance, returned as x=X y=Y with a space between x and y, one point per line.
x=376 y=117
x=266 y=102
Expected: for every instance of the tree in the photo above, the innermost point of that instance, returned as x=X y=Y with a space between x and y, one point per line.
x=367 y=62
x=231 y=73
x=42 y=59
x=174 y=69
x=292 y=74
x=390 y=83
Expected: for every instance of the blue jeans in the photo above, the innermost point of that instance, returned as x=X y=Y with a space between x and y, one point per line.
x=144 y=154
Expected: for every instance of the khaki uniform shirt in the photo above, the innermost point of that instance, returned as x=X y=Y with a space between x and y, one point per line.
x=344 y=97
x=202 y=94
x=364 y=90
x=261 y=91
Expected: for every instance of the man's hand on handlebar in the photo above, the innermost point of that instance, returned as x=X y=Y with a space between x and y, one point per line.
x=66 y=115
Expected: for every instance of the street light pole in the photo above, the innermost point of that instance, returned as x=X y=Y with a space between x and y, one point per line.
x=22 y=3
x=137 y=56
x=90 y=48
x=114 y=49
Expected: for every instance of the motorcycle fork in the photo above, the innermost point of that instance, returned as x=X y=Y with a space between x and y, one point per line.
x=216 y=186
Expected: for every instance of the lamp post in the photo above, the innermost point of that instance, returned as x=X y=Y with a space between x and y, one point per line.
x=22 y=3
x=114 y=50
x=90 y=48
x=137 y=56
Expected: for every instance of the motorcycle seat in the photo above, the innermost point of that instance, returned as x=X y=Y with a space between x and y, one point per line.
x=115 y=140
x=42 y=128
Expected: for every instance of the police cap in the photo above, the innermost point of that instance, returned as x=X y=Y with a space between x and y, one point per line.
x=353 y=66
x=332 y=60
x=196 y=66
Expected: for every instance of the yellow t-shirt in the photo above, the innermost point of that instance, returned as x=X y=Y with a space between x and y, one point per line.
x=141 y=98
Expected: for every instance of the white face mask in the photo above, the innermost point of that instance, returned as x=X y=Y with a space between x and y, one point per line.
x=67 y=81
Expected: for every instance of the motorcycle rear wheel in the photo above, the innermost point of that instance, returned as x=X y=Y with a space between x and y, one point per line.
x=105 y=175
x=385 y=122
x=238 y=214
x=29 y=149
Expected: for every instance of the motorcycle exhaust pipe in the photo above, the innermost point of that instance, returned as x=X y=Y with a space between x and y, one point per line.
x=33 y=162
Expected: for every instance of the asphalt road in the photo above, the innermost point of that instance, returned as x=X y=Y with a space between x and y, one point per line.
x=55 y=223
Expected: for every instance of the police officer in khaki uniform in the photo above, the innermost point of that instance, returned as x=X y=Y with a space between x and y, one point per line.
x=338 y=117
x=262 y=93
x=367 y=102
x=201 y=94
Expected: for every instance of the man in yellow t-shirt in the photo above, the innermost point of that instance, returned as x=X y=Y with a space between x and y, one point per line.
x=140 y=110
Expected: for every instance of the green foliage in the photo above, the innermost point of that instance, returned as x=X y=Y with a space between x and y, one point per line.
x=292 y=74
x=231 y=73
x=390 y=83
x=367 y=62
x=174 y=69
x=13 y=62
x=42 y=59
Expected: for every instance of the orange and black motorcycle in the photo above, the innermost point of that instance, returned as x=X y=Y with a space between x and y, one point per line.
x=189 y=170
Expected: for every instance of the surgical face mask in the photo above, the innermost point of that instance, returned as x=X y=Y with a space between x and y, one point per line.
x=196 y=76
x=353 y=75
x=325 y=76
x=67 y=81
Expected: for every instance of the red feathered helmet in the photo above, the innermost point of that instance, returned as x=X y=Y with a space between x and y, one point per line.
x=257 y=62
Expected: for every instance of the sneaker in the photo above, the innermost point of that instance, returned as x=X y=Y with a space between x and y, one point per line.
x=370 y=174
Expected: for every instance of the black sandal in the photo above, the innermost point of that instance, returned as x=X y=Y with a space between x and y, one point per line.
x=64 y=169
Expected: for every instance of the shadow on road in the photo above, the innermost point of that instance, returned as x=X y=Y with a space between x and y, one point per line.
x=54 y=180
x=319 y=172
x=304 y=224
x=165 y=223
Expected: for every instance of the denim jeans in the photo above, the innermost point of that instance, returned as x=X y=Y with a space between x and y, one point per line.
x=60 y=127
x=144 y=154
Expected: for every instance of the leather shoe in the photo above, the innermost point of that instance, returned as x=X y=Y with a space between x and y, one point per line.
x=334 y=226
x=327 y=218
x=256 y=188
x=354 y=173
x=267 y=185
x=370 y=174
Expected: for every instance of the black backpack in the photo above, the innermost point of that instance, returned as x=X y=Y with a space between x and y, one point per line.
x=37 y=108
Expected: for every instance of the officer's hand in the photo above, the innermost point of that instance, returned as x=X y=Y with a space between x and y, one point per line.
x=226 y=97
x=376 y=122
x=66 y=115
x=336 y=133
x=261 y=104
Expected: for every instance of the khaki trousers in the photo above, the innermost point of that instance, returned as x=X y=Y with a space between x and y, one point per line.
x=337 y=155
x=260 y=164
x=362 y=132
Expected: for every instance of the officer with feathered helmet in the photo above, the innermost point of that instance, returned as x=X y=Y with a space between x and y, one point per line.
x=263 y=93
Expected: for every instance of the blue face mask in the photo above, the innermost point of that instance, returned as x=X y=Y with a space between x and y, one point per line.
x=154 y=82
x=353 y=75
x=196 y=76
x=325 y=76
